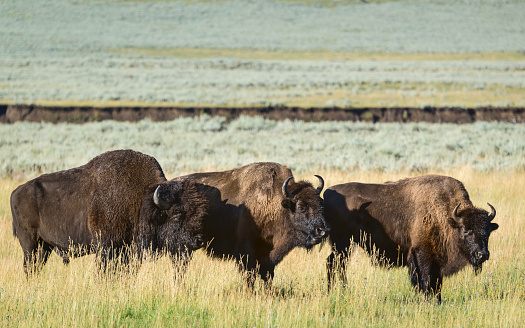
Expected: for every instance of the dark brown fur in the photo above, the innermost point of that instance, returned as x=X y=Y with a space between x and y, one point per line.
x=106 y=205
x=253 y=222
x=409 y=222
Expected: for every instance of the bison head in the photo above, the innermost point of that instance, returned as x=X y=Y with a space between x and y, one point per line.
x=181 y=210
x=474 y=226
x=307 y=221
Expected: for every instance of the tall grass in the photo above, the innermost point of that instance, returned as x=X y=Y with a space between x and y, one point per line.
x=212 y=292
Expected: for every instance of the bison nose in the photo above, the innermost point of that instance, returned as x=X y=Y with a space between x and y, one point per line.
x=483 y=256
x=199 y=242
x=320 y=232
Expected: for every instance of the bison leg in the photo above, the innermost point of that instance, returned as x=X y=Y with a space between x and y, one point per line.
x=425 y=275
x=63 y=254
x=251 y=273
x=435 y=286
x=180 y=261
x=248 y=266
x=36 y=251
x=36 y=255
x=108 y=256
x=267 y=273
x=336 y=262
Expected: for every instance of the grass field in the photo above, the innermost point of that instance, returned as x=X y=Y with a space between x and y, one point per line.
x=320 y=53
x=212 y=293
x=487 y=157
x=242 y=53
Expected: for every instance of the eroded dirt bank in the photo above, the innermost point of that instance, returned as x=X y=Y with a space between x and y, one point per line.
x=32 y=113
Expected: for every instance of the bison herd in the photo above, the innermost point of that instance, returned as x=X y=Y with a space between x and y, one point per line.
x=121 y=204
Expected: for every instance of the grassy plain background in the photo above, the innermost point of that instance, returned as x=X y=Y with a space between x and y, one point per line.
x=212 y=293
x=188 y=144
x=487 y=157
x=259 y=53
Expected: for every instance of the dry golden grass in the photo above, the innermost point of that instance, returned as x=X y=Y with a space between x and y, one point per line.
x=395 y=96
x=212 y=293
x=387 y=95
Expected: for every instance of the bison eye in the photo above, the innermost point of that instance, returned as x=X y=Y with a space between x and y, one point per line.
x=304 y=206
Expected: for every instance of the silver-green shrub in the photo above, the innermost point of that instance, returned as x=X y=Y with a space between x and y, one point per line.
x=73 y=50
x=208 y=143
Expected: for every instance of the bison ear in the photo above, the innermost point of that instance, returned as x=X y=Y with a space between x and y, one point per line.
x=454 y=224
x=287 y=203
x=455 y=221
x=364 y=206
x=494 y=226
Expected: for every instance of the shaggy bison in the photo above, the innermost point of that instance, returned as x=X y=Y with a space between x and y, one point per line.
x=427 y=223
x=118 y=198
x=258 y=214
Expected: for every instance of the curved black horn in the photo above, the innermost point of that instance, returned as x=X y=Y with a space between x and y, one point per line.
x=455 y=213
x=286 y=193
x=161 y=203
x=492 y=214
x=321 y=183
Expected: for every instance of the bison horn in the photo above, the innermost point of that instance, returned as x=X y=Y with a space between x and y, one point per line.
x=286 y=193
x=455 y=213
x=321 y=183
x=492 y=214
x=161 y=203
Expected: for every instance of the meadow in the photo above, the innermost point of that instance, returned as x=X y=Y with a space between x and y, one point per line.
x=487 y=157
x=322 y=53
x=244 y=53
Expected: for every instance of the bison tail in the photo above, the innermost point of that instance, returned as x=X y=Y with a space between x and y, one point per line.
x=14 y=227
x=13 y=216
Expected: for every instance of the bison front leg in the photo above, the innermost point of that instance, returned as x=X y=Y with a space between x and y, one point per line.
x=63 y=254
x=246 y=260
x=267 y=272
x=337 y=260
x=336 y=265
x=110 y=257
x=181 y=261
x=424 y=273
x=248 y=266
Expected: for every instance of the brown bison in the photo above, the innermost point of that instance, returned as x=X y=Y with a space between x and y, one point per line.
x=118 y=198
x=258 y=214
x=427 y=223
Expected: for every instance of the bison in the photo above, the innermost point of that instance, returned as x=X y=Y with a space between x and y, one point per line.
x=118 y=199
x=427 y=223
x=258 y=214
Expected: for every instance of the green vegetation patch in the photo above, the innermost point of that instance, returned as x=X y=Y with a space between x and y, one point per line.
x=149 y=314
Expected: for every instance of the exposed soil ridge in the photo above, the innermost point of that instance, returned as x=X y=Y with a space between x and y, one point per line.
x=35 y=113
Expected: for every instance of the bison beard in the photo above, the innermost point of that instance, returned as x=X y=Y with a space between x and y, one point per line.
x=118 y=198
x=258 y=214
x=427 y=223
